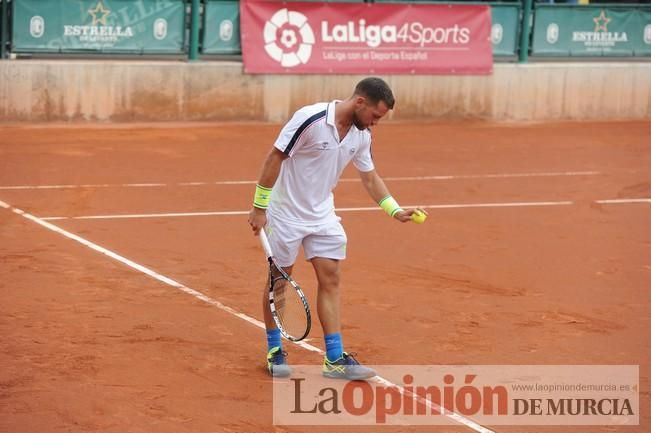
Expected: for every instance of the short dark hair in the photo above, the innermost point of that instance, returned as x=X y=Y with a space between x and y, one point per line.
x=375 y=90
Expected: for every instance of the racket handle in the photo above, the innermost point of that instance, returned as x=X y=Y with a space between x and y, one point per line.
x=265 y=243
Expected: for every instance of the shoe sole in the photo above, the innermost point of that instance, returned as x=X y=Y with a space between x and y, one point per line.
x=349 y=377
x=280 y=372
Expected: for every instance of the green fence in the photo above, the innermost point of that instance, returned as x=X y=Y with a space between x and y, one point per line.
x=592 y=31
x=107 y=26
x=221 y=27
x=505 y=29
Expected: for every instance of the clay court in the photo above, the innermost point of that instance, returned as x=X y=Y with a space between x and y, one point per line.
x=536 y=251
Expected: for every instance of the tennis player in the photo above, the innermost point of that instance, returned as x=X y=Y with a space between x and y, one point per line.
x=294 y=203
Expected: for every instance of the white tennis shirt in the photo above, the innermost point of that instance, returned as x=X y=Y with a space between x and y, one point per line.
x=303 y=191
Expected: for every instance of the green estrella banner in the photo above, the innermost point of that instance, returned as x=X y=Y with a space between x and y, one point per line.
x=592 y=31
x=109 y=26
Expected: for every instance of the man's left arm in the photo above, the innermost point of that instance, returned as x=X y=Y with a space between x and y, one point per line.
x=379 y=192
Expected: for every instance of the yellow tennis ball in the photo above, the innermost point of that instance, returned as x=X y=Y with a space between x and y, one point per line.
x=418 y=217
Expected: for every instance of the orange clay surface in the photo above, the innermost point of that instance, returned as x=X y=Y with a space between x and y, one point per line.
x=90 y=345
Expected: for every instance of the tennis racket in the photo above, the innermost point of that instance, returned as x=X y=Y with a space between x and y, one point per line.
x=287 y=302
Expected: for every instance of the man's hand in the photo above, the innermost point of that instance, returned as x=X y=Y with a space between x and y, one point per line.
x=257 y=219
x=405 y=215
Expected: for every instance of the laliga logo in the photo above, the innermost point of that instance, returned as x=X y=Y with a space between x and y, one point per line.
x=288 y=38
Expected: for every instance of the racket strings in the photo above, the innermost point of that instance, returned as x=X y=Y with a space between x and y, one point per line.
x=290 y=310
x=279 y=292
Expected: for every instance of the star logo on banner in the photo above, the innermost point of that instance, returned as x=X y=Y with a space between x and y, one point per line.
x=99 y=14
x=601 y=22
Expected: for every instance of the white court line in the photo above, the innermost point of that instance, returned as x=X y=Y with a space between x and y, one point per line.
x=494 y=176
x=198 y=295
x=466 y=205
x=351 y=209
x=152 y=215
x=253 y=182
x=345 y=209
x=624 y=200
x=342 y=209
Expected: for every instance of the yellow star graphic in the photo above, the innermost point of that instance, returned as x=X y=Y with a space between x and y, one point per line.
x=601 y=22
x=99 y=9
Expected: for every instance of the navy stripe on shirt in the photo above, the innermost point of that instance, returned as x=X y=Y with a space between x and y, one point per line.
x=310 y=120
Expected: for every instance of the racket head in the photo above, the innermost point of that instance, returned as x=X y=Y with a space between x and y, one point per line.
x=288 y=304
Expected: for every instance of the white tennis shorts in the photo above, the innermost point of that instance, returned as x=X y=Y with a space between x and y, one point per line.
x=326 y=240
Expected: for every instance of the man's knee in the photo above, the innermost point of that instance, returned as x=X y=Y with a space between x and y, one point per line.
x=327 y=272
x=330 y=282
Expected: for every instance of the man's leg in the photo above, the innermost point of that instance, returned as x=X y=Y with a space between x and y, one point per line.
x=337 y=363
x=327 y=303
x=327 y=274
x=325 y=248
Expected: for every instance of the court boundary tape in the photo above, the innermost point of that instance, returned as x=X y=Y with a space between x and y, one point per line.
x=352 y=209
x=207 y=299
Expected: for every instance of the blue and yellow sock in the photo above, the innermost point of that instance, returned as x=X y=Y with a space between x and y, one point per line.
x=273 y=339
x=334 y=346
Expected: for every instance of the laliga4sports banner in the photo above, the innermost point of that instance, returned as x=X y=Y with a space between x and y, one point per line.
x=357 y=38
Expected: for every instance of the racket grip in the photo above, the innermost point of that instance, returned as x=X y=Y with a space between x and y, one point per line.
x=265 y=243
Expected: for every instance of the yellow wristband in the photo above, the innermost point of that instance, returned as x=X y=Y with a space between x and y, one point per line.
x=390 y=205
x=262 y=196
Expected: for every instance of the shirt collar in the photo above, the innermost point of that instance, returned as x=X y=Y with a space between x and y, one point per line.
x=330 y=113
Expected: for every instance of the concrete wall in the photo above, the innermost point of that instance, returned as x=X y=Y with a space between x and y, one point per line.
x=58 y=90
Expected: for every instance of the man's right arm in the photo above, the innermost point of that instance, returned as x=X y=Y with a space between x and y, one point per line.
x=270 y=172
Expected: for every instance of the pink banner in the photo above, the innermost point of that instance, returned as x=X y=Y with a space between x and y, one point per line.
x=360 y=38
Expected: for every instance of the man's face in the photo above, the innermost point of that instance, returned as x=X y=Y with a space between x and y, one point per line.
x=367 y=114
